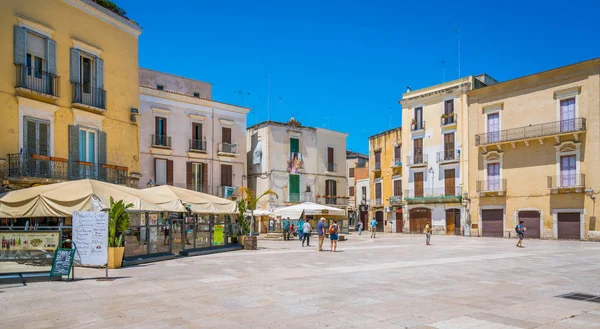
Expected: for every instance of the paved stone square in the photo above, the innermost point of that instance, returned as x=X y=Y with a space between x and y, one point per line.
x=393 y=281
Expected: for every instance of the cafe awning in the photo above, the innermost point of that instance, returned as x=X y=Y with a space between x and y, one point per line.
x=308 y=208
x=61 y=199
x=200 y=203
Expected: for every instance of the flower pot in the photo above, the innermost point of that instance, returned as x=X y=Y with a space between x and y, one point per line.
x=115 y=257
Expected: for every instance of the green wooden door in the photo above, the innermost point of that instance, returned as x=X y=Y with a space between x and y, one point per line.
x=294 y=145
x=294 y=189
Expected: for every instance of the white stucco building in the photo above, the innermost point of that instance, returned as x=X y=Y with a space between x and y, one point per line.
x=187 y=139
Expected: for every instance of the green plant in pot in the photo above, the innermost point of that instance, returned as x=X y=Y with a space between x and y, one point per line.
x=118 y=223
x=252 y=201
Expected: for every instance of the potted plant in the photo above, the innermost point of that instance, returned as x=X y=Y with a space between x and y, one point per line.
x=451 y=114
x=414 y=121
x=251 y=201
x=118 y=223
x=444 y=116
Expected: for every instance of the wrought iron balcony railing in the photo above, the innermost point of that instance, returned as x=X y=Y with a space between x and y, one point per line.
x=198 y=145
x=228 y=148
x=161 y=141
x=565 y=181
x=102 y=172
x=448 y=155
x=417 y=160
x=85 y=94
x=449 y=119
x=492 y=185
x=436 y=192
x=419 y=125
x=332 y=200
x=532 y=132
x=37 y=166
x=38 y=81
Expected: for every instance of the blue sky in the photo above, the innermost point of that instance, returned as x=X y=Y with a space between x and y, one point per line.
x=344 y=64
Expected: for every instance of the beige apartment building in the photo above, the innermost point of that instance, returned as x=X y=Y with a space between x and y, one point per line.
x=187 y=139
x=534 y=147
x=435 y=143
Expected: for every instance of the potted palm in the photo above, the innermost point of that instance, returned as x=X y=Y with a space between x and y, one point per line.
x=118 y=223
x=250 y=202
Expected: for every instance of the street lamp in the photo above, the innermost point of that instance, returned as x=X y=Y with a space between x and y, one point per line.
x=150 y=183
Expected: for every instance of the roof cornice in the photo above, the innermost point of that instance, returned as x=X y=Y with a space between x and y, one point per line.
x=107 y=16
x=192 y=100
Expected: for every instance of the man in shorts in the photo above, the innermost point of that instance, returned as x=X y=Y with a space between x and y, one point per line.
x=520 y=229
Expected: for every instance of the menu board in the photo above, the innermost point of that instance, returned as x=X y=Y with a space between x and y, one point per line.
x=62 y=262
x=90 y=234
x=218 y=235
x=29 y=240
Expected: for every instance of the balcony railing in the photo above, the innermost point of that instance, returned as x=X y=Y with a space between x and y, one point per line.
x=102 y=172
x=395 y=200
x=396 y=163
x=226 y=191
x=85 y=94
x=228 y=148
x=198 y=145
x=417 y=126
x=377 y=202
x=449 y=120
x=300 y=197
x=377 y=166
x=331 y=200
x=417 y=160
x=532 y=132
x=566 y=181
x=490 y=186
x=39 y=82
x=198 y=188
x=448 y=155
x=434 y=195
x=331 y=167
x=161 y=141
x=37 y=166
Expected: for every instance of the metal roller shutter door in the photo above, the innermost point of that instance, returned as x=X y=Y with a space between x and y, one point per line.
x=569 y=225
x=532 y=223
x=492 y=224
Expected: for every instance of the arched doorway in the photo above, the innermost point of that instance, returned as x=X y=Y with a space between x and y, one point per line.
x=452 y=221
x=419 y=217
x=399 y=221
x=379 y=219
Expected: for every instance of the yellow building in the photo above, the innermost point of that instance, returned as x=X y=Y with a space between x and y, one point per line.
x=434 y=159
x=385 y=162
x=535 y=149
x=69 y=87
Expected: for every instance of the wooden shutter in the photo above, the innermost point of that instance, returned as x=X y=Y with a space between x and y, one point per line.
x=99 y=72
x=226 y=135
x=44 y=138
x=449 y=182
x=334 y=183
x=188 y=176
x=330 y=157
x=154 y=170
x=170 y=172
x=418 y=177
x=327 y=192
x=351 y=191
x=397 y=153
x=397 y=187
x=378 y=190
x=418 y=148
x=51 y=57
x=226 y=175
x=75 y=58
x=205 y=177
x=73 y=150
x=294 y=145
x=197 y=131
x=102 y=153
x=20 y=44
x=449 y=142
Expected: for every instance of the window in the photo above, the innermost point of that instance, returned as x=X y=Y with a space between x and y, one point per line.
x=197 y=95
x=364 y=192
x=377 y=193
x=567 y=115
x=294 y=188
x=294 y=145
x=397 y=154
x=88 y=145
x=418 y=150
x=36 y=55
x=449 y=111
x=418 y=119
x=197 y=143
x=226 y=175
x=493 y=127
x=330 y=191
x=397 y=187
x=493 y=172
x=226 y=135
x=198 y=177
x=160 y=171
x=330 y=163
x=160 y=130
x=378 y=160
x=86 y=74
x=450 y=182
x=36 y=137
x=351 y=191
x=449 y=146
x=568 y=171
x=351 y=172
x=418 y=182
x=160 y=87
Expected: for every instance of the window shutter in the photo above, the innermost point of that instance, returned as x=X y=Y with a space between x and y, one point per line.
x=75 y=58
x=170 y=172
x=51 y=56
x=99 y=68
x=205 y=178
x=327 y=188
x=226 y=135
x=156 y=132
x=102 y=147
x=30 y=146
x=73 y=150
x=155 y=171
x=164 y=131
x=20 y=45
x=188 y=179
x=44 y=138
x=330 y=155
x=334 y=183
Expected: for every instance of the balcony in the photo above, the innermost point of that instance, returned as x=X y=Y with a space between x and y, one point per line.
x=567 y=183
x=161 y=141
x=38 y=84
x=36 y=167
x=332 y=200
x=417 y=161
x=102 y=172
x=491 y=187
x=331 y=167
x=396 y=163
x=449 y=121
x=377 y=166
x=551 y=129
x=300 y=197
x=228 y=149
x=417 y=126
x=226 y=191
x=197 y=145
x=395 y=200
x=377 y=202
x=88 y=98
x=448 y=156
x=451 y=194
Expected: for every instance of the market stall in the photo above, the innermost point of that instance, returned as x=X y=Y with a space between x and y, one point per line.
x=313 y=212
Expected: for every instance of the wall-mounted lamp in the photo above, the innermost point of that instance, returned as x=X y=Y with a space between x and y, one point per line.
x=134 y=112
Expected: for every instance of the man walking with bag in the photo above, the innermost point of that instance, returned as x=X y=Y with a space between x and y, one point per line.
x=286 y=229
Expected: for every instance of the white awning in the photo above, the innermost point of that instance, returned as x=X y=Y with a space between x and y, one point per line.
x=308 y=208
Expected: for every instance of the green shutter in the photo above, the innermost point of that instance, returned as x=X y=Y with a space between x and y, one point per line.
x=20 y=46
x=294 y=145
x=294 y=188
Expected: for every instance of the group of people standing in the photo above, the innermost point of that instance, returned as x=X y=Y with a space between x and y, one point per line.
x=304 y=230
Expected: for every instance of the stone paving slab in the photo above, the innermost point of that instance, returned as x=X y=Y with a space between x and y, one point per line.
x=393 y=281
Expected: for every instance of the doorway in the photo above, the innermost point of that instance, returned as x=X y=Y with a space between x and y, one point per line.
x=379 y=219
x=492 y=223
x=399 y=221
x=418 y=218
x=453 y=222
x=531 y=221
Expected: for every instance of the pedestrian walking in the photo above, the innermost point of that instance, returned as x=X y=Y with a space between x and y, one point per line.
x=520 y=229
x=306 y=228
x=373 y=227
x=292 y=229
x=300 y=225
x=427 y=232
x=321 y=232
x=359 y=227
x=271 y=223
x=333 y=236
x=286 y=229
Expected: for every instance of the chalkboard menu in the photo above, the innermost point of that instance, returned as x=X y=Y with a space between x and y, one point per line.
x=62 y=262
x=90 y=234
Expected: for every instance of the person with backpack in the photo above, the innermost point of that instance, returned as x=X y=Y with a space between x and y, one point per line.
x=359 y=227
x=300 y=225
x=321 y=232
x=286 y=229
x=520 y=229
x=333 y=236
x=306 y=228
x=373 y=227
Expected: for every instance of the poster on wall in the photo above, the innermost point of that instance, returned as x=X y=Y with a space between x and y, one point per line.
x=90 y=234
x=218 y=235
x=29 y=240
